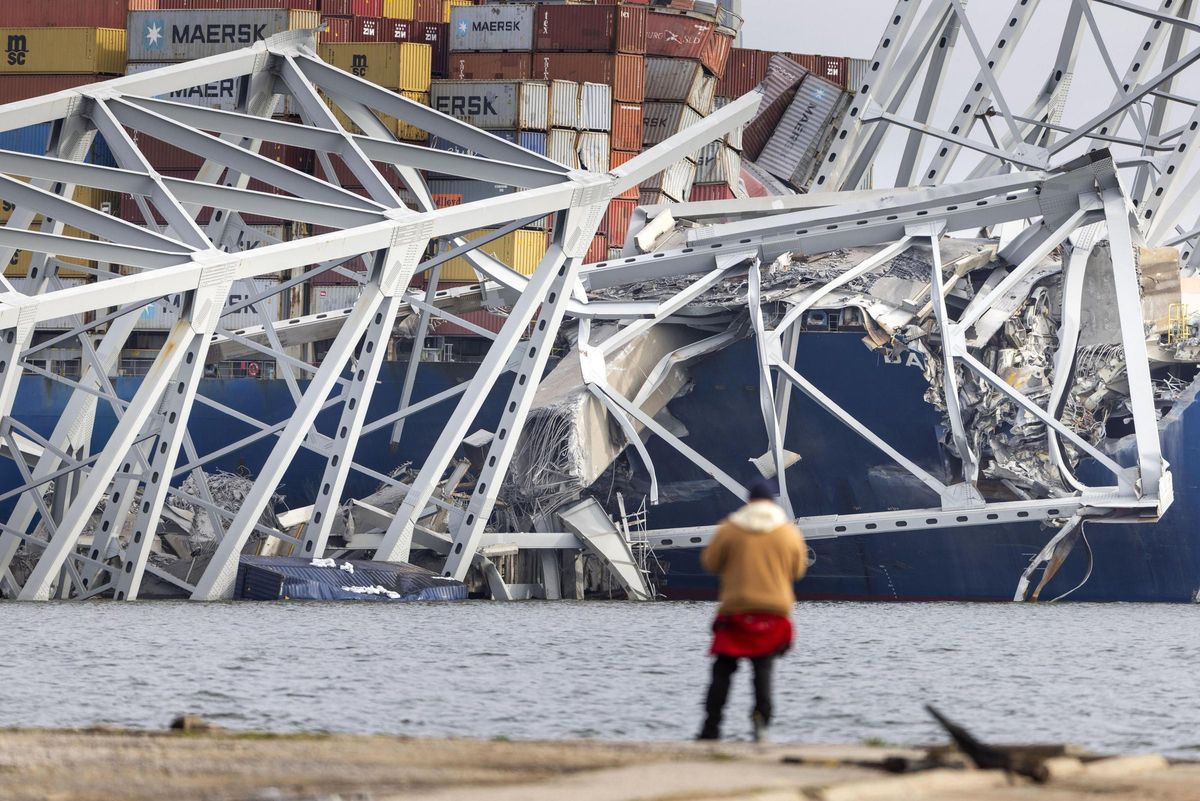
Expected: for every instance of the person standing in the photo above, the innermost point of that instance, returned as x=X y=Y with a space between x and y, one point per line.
x=758 y=553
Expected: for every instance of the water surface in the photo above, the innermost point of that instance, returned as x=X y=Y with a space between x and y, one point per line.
x=1113 y=677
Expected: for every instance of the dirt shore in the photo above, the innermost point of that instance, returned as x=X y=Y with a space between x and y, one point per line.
x=101 y=765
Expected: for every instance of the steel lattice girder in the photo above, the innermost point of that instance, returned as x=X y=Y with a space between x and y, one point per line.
x=190 y=261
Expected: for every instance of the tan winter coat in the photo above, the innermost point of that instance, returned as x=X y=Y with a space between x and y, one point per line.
x=758 y=553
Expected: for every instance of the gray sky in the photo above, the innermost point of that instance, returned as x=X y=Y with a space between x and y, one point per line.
x=852 y=28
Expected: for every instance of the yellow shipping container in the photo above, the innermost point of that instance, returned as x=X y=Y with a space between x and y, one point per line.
x=521 y=250
x=449 y=4
x=404 y=66
x=63 y=51
x=403 y=130
x=398 y=9
x=88 y=196
x=18 y=265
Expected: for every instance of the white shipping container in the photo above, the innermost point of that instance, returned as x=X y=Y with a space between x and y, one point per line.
x=663 y=120
x=706 y=95
x=493 y=104
x=222 y=95
x=325 y=299
x=158 y=315
x=252 y=315
x=564 y=104
x=675 y=181
x=734 y=138
x=492 y=27
x=595 y=151
x=799 y=139
x=595 y=107
x=675 y=80
x=718 y=164
x=560 y=146
x=198 y=33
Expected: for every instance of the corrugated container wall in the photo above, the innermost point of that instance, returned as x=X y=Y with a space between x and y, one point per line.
x=297 y=5
x=679 y=81
x=616 y=220
x=794 y=149
x=221 y=95
x=744 y=70
x=675 y=182
x=676 y=36
x=560 y=146
x=595 y=107
x=244 y=290
x=601 y=28
x=857 y=71
x=624 y=72
x=594 y=151
x=717 y=163
x=326 y=298
x=564 y=104
x=520 y=250
x=437 y=36
x=490 y=66
x=616 y=159
x=628 y=123
x=185 y=35
x=493 y=104
x=493 y=27
x=734 y=138
x=23 y=87
x=63 y=13
x=715 y=54
x=64 y=51
x=663 y=120
x=392 y=66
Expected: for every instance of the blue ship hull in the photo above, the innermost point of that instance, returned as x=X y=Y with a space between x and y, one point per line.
x=839 y=473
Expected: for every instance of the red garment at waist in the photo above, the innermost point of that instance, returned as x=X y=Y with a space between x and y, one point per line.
x=751 y=634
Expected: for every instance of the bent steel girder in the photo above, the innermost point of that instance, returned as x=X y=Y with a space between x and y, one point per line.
x=136 y=472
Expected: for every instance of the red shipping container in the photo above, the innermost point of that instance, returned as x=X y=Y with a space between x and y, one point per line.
x=490 y=66
x=744 y=70
x=349 y=8
x=291 y=5
x=702 y=192
x=143 y=5
x=428 y=11
x=598 y=250
x=481 y=317
x=63 y=13
x=366 y=29
x=810 y=63
x=627 y=123
x=616 y=220
x=398 y=30
x=338 y=29
x=610 y=29
x=437 y=36
x=626 y=73
x=716 y=52
x=616 y=159
x=685 y=5
x=23 y=87
x=675 y=35
x=834 y=69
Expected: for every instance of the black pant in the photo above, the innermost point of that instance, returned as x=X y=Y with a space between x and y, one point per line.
x=718 y=691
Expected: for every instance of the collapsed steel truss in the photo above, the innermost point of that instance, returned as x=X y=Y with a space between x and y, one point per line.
x=1040 y=207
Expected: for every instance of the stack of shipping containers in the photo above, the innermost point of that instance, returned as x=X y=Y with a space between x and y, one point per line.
x=49 y=47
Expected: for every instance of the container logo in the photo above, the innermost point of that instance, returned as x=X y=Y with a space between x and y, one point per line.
x=17 y=48
x=472 y=105
x=358 y=64
x=156 y=35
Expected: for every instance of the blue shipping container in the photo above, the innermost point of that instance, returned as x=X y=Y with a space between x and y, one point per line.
x=534 y=141
x=30 y=139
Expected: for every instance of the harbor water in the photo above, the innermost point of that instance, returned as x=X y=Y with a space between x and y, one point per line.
x=1112 y=677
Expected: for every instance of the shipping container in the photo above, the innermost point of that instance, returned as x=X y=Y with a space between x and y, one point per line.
x=733 y=139
x=702 y=192
x=628 y=123
x=252 y=315
x=675 y=181
x=680 y=81
x=324 y=298
x=350 y=8
x=438 y=143
x=64 y=51
x=616 y=220
x=663 y=120
x=455 y=192
x=594 y=149
x=30 y=139
x=367 y=29
x=186 y=35
x=337 y=29
x=779 y=87
x=744 y=70
x=429 y=11
x=494 y=27
x=390 y=65
x=396 y=9
x=835 y=69
x=716 y=163
x=794 y=150
x=23 y=87
x=857 y=72
x=560 y=146
x=533 y=141
x=616 y=159
x=564 y=104
x=490 y=66
x=221 y=94
x=605 y=29
x=397 y=30
x=676 y=36
x=595 y=107
x=437 y=36
x=63 y=13
x=448 y=7
x=493 y=104
x=488 y=320
x=286 y=5
x=651 y=197
x=623 y=72
x=598 y=250
x=715 y=53
x=521 y=250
